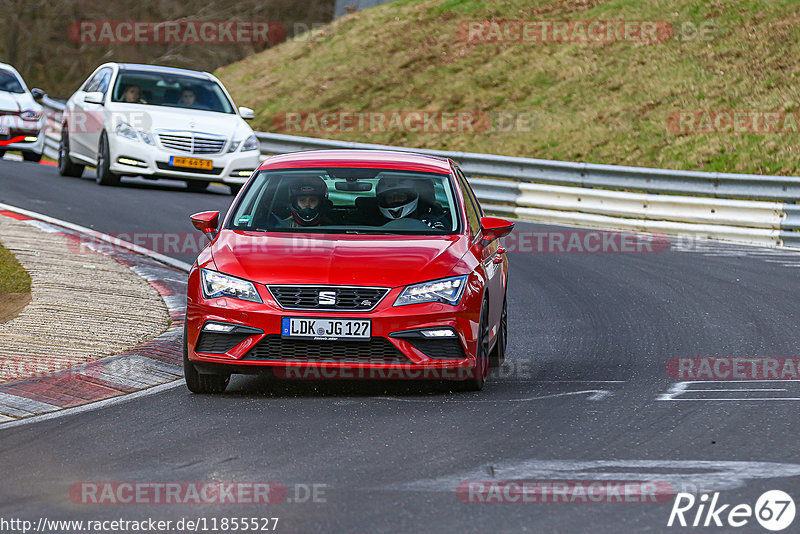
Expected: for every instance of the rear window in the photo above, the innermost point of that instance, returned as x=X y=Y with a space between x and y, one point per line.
x=348 y=200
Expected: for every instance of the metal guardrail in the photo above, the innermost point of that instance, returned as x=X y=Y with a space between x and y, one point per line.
x=737 y=207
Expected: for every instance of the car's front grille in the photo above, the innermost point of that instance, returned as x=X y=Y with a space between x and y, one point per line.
x=167 y=167
x=334 y=298
x=192 y=142
x=439 y=349
x=214 y=343
x=376 y=350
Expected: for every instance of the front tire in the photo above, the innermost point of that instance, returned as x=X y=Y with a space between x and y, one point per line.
x=32 y=156
x=104 y=174
x=498 y=354
x=235 y=188
x=198 y=382
x=65 y=166
x=481 y=370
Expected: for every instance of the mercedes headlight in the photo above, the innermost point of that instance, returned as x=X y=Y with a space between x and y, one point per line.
x=251 y=143
x=125 y=130
x=216 y=284
x=30 y=115
x=446 y=291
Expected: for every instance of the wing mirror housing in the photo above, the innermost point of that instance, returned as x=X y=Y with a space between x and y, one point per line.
x=37 y=93
x=246 y=113
x=494 y=228
x=206 y=222
x=95 y=97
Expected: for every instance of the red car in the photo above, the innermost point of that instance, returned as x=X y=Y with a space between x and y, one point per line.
x=349 y=264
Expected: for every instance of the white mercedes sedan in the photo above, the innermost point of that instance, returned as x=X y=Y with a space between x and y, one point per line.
x=21 y=122
x=157 y=122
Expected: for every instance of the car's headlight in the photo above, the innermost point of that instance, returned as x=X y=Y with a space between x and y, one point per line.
x=125 y=130
x=446 y=291
x=146 y=137
x=30 y=115
x=234 y=146
x=251 y=143
x=221 y=285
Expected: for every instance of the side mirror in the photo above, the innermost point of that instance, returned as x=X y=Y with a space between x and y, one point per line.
x=37 y=93
x=206 y=222
x=494 y=228
x=94 y=97
x=247 y=113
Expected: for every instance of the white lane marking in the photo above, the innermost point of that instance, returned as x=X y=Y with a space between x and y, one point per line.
x=94 y=405
x=183 y=266
x=679 y=389
x=706 y=476
x=594 y=395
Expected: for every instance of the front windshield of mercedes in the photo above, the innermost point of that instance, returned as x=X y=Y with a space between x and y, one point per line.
x=348 y=200
x=170 y=90
x=10 y=83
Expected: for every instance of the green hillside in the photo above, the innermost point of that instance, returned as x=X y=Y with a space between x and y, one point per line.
x=602 y=102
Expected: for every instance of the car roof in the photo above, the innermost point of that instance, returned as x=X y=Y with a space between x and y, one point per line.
x=380 y=159
x=6 y=66
x=159 y=68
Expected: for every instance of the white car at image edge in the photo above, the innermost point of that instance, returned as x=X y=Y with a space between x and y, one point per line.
x=157 y=122
x=21 y=121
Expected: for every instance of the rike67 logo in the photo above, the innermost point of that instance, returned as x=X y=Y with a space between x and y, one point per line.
x=774 y=510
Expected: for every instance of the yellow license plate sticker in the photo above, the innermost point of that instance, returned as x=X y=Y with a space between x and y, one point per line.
x=191 y=163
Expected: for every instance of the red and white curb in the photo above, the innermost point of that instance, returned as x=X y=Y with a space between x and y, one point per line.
x=148 y=368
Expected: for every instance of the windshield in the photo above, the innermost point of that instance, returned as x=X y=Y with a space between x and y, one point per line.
x=9 y=82
x=170 y=90
x=348 y=200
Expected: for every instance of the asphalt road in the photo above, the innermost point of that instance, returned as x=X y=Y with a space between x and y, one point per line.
x=590 y=336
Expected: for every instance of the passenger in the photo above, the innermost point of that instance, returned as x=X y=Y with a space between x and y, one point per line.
x=398 y=198
x=188 y=98
x=308 y=203
x=132 y=95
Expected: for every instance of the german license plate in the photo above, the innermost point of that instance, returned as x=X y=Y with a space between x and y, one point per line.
x=191 y=163
x=326 y=329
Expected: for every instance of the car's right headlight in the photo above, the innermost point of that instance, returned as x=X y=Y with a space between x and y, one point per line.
x=125 y=130
x=216 y=284
x=251 y=143
x=446 y=291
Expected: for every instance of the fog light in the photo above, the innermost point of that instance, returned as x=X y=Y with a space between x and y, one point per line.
x=219 y=328
x=132 y=162
x=438 y=333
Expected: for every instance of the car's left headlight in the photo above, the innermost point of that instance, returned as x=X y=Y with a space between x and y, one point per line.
x=216 y=284
x=30 y=115
x=251 y=143
x=446 y=291
x=125 y=130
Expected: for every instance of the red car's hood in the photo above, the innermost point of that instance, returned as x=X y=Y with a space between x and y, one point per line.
x=385 y=261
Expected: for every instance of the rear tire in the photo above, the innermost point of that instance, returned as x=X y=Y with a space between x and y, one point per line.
x=32 y=156
x=498 y=354
x=197 y=186
x=199 y=382
x=481 y=370
x=104 y=174
x=65 y=166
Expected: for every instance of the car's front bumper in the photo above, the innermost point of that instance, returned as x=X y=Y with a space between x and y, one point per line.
x=34 y=141
x=136 y=158
x=385 y=355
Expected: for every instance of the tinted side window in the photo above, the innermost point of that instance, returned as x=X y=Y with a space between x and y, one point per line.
x=473 y=210
x=102 y=84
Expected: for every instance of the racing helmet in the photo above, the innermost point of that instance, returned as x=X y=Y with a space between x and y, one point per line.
x=397 y=197
x=308 y=186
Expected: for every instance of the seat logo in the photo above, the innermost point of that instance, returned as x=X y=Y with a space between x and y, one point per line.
x=326 y=298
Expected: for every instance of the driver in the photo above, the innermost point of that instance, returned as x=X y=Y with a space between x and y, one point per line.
x=308 y=202
x=399 y=198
